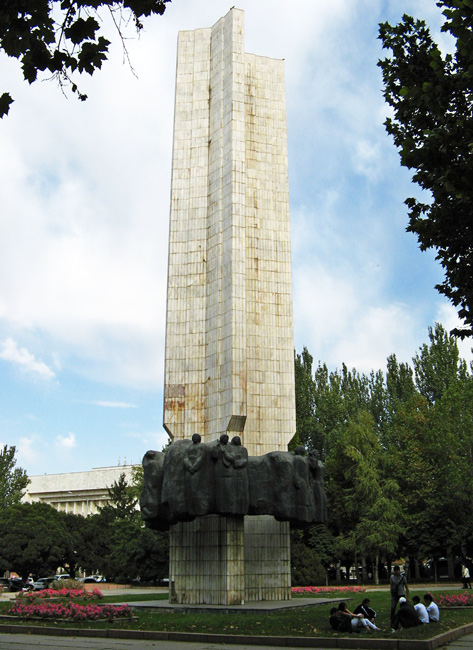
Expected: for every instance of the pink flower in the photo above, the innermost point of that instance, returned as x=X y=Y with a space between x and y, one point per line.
x=70 y=610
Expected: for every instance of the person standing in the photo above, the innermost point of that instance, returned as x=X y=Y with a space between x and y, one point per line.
x=466 y=576
x=399 y=589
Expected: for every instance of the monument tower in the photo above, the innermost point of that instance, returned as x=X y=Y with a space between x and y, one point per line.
x=229 y=336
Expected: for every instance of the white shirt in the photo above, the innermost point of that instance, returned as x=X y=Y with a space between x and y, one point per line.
x=434 y=613
x=422 y=613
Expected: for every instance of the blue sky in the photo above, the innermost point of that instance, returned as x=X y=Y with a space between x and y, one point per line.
x=84 y=205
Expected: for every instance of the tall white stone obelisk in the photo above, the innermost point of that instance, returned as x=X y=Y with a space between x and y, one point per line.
x=229 y=335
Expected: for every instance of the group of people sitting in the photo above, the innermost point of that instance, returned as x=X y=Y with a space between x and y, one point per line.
x=416 y=614
x=363 y=619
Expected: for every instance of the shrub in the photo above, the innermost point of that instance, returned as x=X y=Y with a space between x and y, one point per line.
x=45 y=594
x=455 y=600
x=70 y=611
x=64 y=584
x=328 y=590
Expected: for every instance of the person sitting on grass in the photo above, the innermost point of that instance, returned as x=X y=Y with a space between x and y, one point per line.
x=422 y=612
x=432 y=608
x=366 y=610
x=358 y=621
x=334 y=618
x=406 y=616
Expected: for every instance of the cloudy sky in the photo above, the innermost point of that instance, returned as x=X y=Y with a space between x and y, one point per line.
x=84 y=204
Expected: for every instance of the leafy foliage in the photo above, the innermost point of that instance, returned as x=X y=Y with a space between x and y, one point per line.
x=122 y=501
x=62 y=37
x=13 y=480
x=431 y=95
x=34 y=538
x=120 y=545
x=398 y=452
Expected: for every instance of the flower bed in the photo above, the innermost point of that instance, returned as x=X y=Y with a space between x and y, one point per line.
x=69 y=611
x=455 y=600
x=328 y=590
x=45 y=594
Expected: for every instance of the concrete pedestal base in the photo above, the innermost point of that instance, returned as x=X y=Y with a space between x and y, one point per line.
x=229 y=561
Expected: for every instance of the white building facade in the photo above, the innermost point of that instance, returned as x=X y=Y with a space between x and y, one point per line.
x=81 y=493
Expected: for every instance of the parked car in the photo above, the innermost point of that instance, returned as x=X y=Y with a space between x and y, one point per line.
x=43 y=583
x=62 y=576
x=13 y=584
x=4 y=584
x=94 y=578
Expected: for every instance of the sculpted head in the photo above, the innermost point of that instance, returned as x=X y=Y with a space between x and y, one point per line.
x=236 y=440
x=299 y=451
x=196 y=438
x=224 y=439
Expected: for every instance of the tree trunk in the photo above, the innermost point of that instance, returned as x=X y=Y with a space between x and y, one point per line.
x=376 y=569
x=347 y=572
x=416 y=568
x=338 y=573
x=451 y=572
x=435 y=570
x=365 y=572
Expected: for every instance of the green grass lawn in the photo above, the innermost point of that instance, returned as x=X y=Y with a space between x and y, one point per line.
x=304 y=621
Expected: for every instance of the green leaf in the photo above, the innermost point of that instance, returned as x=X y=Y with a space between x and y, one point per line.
x=81 y=30
x=5 y=101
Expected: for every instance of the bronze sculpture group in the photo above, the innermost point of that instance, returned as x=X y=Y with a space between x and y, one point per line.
x=193 y=479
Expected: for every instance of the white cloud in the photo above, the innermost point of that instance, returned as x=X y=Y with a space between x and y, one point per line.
x=28 y=451
x=448 y=317
x=85 y=202
x=119 y=405
x=66 y=442
x=10 y=351
x=150 y=439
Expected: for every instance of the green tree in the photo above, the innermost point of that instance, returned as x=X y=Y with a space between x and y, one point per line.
x=137 y=552
x=33 y=539
x=438 y=365
x=408 y=444
x=452 y=453
x=13 y=480
x=306 y=426
x=363 y=502
x=76 y=556
x=431 y=95
x=119 y=544
x=306 y=565
x=122 y=501
x=95 y=544
x=63 y=37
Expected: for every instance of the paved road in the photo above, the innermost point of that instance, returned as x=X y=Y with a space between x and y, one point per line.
x=465 y=643
x=29 y=642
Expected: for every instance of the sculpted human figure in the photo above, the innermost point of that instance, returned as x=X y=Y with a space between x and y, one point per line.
x=304 y=499
x=193 y=479
x=317 y=472
x=174 y=483
x=150 y=499
x=196 y=481
x=226 y=475
x=239 y=455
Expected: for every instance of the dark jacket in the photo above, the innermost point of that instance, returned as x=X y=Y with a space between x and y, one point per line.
x=406 y=616
x=366 y=611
